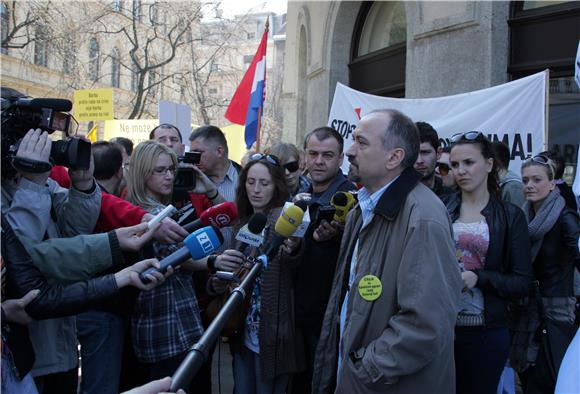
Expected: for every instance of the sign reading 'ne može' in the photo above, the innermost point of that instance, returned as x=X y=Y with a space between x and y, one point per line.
x=94 y=104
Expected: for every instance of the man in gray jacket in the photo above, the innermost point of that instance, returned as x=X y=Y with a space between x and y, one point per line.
x=37 y=208
x=390 y=320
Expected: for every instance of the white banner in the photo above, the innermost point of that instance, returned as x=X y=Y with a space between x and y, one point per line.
x=514 y=113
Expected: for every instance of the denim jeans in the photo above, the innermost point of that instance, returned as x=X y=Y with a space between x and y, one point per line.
x=247 y=377
x=11 y=384
x=101 y=336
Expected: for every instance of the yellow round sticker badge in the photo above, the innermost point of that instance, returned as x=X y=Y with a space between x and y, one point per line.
x=370 y=287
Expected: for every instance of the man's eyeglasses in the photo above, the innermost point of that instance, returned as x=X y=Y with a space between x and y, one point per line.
x=468 y=136
x=292 y=166
x=269 y=158
x=160 y=171
x=443 y=169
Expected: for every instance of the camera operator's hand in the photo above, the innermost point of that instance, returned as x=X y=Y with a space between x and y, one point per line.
x=35 y=146
x=130 y=275
x=15 y=311
x=132 y=239
x=83 y=179
x=204 y=185
x=327 y=231
x=230 y=260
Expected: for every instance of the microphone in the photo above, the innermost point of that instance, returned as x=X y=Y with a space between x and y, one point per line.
x=343 y=202
x=251 y=233
x=221 y=215
x=285 y=226
x=60 y=105
x=198 y=245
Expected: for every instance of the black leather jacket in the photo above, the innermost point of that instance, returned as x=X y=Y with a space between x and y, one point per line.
x=53 y=300
x=554 y=264
x=508 y=269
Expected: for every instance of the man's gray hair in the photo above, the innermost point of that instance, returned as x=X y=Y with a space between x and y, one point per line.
x=401 y=132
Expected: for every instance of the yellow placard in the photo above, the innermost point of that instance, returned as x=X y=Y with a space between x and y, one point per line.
x=93 y=104
x=370 y=287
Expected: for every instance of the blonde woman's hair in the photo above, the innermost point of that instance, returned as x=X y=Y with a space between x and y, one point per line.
x=143 y=161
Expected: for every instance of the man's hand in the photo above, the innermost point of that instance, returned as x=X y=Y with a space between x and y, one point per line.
x=203 y=185
x=35 y=146
x=230 y=260
x=290 y=245
x=15 y=309
x=169 y=232
x=132 y=239
x=160 y=386
x=130 y=275
x=327 y=231
x=83 y=179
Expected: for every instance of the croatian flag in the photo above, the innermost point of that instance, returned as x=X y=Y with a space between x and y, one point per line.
x=248 y=101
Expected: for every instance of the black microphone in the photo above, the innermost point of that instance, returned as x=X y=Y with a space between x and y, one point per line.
x=52 y=103
x=198 y=245
x=251 y=233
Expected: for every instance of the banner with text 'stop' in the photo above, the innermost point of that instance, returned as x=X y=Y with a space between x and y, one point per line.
x=514 y=112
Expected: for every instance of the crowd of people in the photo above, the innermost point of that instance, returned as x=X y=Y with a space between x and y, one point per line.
x=449 y=272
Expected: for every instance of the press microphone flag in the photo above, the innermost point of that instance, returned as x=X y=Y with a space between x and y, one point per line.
x=221 y=215
x=197 y=245
x=343 y=202
x=251 y=233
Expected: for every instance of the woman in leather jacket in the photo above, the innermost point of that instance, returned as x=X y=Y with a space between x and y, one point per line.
x=554 y=231
x=49 y=300
x=493 y=254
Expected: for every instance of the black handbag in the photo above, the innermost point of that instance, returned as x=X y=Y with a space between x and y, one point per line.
x=555 y=337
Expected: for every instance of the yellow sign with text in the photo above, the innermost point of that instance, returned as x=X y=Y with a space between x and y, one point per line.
x=94 y=104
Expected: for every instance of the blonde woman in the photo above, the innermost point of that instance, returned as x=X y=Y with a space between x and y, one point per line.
x=166 y=321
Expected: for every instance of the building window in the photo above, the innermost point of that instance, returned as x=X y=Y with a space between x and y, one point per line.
x=153 y=14
x=530 y=5
x=213 y=91
x=248 y=59
x=41 y=46
x=250 y=36
x=69 y=58
x=5 y=14
x=214 y=67
x=384 y=26
x=115 y=68
x=379 y=49
x=137 y=10
x=94 y=60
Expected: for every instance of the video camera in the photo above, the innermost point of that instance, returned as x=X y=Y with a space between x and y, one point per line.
x=20 y=114
x=185 y=177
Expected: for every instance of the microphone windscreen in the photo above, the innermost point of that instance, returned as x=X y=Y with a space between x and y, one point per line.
x=221 y=215
x=257 y=223
x=340 y=199
x=289 y=221
x=203 y=242
x=52 y=103
x=302 y=204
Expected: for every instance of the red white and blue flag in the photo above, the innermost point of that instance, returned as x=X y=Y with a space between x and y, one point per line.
x=248 y=102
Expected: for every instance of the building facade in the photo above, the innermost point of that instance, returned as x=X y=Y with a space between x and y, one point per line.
x=429 y=49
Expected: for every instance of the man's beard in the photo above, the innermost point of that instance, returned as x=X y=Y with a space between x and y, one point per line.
x=428 y=176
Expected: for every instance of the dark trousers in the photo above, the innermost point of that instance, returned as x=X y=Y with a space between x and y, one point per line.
x=302 y=382
x=60 y=382
x=480 y=355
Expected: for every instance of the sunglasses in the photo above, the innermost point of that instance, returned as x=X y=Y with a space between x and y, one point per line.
x=268 y=158
x=468 y=136
x=443 y=169
x=293 y=166
x=545 y=161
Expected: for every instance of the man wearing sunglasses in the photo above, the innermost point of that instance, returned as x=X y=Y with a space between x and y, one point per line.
x=290 y=160
x=429 y=153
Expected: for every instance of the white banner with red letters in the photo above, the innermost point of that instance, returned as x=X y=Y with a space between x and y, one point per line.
x=514 y=112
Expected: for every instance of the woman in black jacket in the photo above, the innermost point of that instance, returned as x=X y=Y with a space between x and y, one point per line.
x=493 y=254
x=49 y=301
x=554 y=231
